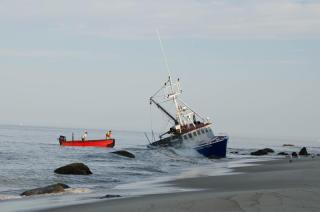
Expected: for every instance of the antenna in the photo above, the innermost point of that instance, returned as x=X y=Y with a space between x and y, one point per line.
x=170 y=80
x=164 y=56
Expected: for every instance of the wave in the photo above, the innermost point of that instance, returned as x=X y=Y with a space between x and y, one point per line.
x=67 y=191
x=9 y=197
x=78 y=190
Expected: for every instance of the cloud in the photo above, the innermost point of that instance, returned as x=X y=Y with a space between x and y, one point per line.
x=136 y=19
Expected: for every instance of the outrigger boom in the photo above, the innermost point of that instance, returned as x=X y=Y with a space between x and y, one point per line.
x=163 y=110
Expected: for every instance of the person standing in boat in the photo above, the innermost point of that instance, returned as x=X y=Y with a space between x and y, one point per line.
x=84 y=136
x=109 y=134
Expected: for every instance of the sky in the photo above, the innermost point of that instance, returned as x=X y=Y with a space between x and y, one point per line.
x=252 y=66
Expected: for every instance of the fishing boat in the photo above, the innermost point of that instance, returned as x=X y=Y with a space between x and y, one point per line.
x=189 y=128
x=106 y=143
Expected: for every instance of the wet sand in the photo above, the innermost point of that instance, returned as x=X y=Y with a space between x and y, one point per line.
x=273 y=186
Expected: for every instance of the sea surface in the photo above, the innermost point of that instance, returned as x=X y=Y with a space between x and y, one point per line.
x=29 y=156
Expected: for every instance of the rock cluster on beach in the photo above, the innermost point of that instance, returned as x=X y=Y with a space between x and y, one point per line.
x=74 y=169
x=264 y=151
x=56 y=188
x=283 y=153
x=304 y=152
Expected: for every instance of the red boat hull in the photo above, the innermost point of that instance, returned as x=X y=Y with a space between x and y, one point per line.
x=109 y=143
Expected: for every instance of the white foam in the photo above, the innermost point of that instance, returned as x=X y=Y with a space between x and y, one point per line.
x=203 y=171
x=154 y=186
x=8 y=197
x=78 y=190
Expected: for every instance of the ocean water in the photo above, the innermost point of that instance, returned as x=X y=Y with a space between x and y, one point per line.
x=29 y=156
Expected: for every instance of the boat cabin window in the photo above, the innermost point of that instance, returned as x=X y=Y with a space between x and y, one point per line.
x=202 y=130
x=190 y=135
x=185 y=137
x=207 y=130
x=198 y=132
x=194 y=133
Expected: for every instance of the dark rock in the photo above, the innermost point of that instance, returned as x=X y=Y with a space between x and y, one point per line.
x=283 y=153
x=74 y=169
x=294 y=154
x=259 y=152
x=56 y=188
x=109 y=196
x=287 y=145
x=262 y=152
x=124 y=153
x=304 y=152
x=269 y=150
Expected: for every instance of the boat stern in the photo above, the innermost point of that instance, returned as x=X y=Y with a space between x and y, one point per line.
x=216 y=148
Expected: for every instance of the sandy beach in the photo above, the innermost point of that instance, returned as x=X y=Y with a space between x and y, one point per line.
x=277 y=185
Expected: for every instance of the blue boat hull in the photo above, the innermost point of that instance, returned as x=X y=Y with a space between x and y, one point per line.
x=214 y=148
x=217 y=148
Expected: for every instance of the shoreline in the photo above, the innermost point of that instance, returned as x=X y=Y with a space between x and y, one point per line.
x=276 y=185
x=150 y=186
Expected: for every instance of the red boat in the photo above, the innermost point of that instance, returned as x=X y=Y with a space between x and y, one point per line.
x=107 y=143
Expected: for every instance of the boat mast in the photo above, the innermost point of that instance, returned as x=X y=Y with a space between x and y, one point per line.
x=173 y=94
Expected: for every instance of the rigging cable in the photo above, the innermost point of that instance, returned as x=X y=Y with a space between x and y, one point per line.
x=164 y=55
x=151 y=124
